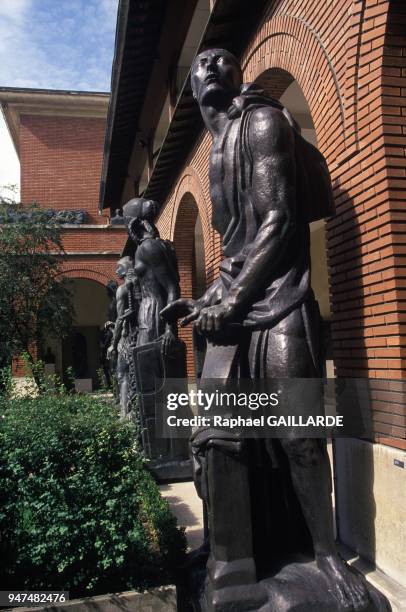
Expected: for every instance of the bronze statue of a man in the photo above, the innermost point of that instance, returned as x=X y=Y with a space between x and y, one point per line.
x=124 y=335
x=260 y=317
x=107 y=332
x=156 y=268
x=158 y=352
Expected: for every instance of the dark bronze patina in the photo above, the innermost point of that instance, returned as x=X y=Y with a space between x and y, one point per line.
x=157 y=352
x=125 y=333
x=156 y=268
x=106 y=334
x=264 y=500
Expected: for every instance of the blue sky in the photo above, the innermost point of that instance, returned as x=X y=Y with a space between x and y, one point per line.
x=53 y=44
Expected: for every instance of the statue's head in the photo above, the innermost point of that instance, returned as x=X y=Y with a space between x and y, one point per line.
x=124 y=265
x=140 y=208
x=215 y=73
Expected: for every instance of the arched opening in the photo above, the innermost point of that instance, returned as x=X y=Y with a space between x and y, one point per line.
x=81 y=350
x=281 y=85
x=189 y=245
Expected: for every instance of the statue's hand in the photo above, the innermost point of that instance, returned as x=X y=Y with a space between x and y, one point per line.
x=213 y=319
x=189 y=309
x=168 y=340
x=112 y=353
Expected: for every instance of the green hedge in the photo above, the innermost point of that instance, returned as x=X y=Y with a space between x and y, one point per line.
x=78 y=510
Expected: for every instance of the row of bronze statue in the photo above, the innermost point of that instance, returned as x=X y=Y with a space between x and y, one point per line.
x=269 y=542
x=151 y=282
x=140 y=348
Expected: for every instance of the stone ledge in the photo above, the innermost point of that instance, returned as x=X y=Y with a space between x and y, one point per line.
x=161 y=599
x=395 y=592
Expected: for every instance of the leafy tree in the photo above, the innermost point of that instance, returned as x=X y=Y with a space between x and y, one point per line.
x=35 y=301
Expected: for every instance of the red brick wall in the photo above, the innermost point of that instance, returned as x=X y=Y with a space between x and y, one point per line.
x=349 y=59
x=109 y=239
x=61 y=161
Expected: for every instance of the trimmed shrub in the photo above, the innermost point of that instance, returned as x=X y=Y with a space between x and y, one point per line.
x=78 y=510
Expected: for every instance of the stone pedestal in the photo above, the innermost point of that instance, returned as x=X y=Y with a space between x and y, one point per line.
x=298 y=586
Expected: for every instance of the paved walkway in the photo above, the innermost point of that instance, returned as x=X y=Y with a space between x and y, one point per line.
x=187 y=507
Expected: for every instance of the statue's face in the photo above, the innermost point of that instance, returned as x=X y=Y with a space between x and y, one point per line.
x=122 y=268
x=215 y=73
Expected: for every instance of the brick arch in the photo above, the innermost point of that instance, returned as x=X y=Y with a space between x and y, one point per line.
x=87 y=274
x=288 y=43
x=190 y=183
x=183 y=236
x=275 y=81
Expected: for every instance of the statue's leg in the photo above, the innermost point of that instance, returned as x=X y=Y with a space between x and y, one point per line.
x=310 y=472
x=288 y=355
x=122 y=380
x=106 y=370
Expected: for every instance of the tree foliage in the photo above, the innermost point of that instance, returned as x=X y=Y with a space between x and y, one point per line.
x=35 y=301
